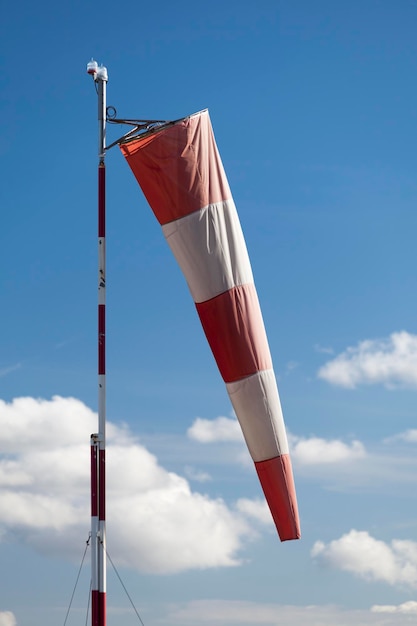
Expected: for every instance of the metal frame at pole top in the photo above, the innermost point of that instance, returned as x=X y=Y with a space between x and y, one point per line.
x=98 y=441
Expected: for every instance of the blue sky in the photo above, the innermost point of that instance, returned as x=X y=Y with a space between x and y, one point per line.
x=314 y=107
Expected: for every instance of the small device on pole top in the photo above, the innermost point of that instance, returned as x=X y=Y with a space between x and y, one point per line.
x=96 y=71
x=92 y=67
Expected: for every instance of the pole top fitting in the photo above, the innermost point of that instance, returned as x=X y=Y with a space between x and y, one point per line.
x=96 y=71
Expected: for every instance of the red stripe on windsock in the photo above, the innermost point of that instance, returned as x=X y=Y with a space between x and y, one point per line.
x=277 y=482
x=235 y=331
x=179 y=168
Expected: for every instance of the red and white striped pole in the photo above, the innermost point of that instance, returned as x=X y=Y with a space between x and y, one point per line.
x=98 y=441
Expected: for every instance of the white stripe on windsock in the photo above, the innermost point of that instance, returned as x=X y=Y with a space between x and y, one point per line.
x=255 y=400
x=210 y=249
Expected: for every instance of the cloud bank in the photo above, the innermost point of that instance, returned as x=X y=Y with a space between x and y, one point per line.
x=239 y=612
x=45 y=500
x=391 y=362
x=406 y=608
x=408 y=436
x=371 y=559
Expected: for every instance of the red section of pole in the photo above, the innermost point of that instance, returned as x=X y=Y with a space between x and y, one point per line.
x=102 y=486
x=94 y=507
x=102 y=607
x=95 y=609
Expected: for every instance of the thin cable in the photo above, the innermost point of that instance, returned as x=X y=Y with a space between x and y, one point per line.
x=122 y=583
x=76 y=582
x=88 y=604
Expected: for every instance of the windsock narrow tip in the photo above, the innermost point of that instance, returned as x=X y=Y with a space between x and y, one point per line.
x=277 y=482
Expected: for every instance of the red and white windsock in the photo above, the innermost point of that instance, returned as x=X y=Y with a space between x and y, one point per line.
x=181 y=174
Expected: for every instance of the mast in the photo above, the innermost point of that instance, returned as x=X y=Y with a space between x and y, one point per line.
x=98 y=440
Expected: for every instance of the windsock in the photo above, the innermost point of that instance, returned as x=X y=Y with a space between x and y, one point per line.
x=181 y=174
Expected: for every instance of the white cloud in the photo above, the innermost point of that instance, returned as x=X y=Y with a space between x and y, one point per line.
x=391 y=362
x=255 y=509
x=318 y=451
x=409 y=608
x=194 y=474
x=45 y=483
x=323 y=349
x=409 y=436
x=7 y=370
x=239 y=612
x=36 y=424
x=371 y=559
x=7 y=619
x=291 y=365
x=219 y=429
x=355 y=468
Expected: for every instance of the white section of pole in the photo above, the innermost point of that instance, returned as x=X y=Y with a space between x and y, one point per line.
x=101 y=84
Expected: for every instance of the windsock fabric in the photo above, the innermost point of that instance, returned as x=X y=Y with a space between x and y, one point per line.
x=181 y=174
